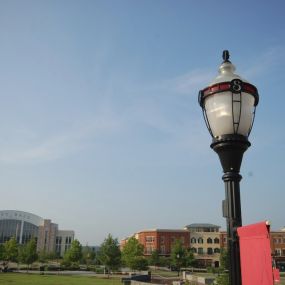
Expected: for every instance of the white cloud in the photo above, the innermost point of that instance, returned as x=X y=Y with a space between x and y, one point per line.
x=189 y=82
x=264 y=62
x=31 y=149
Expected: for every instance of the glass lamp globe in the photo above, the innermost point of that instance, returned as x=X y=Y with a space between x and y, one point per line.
x=229 y=103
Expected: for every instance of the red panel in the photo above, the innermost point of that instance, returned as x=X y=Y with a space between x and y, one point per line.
x=276 y=275
x=255 y=255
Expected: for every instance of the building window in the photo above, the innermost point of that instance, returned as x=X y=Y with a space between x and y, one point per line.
x=278 y=252
x=216 y=240
x=162 y=239
x=162 y=249
x=194 y=250
x=283 y=252
x=200 y=250
x=200 y=240
x=209 y=251
x=216 y=250
x=209 y=240
x=149 y=238
x=193 y=240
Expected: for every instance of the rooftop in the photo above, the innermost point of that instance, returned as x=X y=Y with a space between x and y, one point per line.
x=201 y=225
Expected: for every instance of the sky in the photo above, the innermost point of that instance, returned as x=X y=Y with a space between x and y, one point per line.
x=100 y=127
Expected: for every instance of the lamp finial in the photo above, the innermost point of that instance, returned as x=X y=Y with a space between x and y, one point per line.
x=226 y=56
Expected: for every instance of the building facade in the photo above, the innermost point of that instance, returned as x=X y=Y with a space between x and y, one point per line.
x=205 y=244
x=277 y=243
x=160 y=240
x=24 y=226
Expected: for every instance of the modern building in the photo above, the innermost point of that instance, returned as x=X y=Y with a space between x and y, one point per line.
x=161 y=240
x=205 y=244
x=24 y=226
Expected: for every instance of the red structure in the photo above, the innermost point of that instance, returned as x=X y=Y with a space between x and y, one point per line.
x=162 y=240
x=255 y=255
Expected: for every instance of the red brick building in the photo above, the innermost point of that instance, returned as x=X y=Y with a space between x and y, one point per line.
x=161 y=240
x=277 y=243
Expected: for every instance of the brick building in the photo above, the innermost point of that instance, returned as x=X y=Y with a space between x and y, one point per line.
x=277 y=243
x=161 y=240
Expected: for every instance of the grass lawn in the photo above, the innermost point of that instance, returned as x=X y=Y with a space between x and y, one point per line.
x=34 y=279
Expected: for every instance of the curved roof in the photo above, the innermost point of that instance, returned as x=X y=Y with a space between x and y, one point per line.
x=21 y=216
x=202 y=225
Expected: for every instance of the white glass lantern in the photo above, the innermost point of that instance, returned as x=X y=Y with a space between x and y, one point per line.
x=229 y=103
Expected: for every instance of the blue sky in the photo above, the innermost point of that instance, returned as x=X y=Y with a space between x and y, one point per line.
x=100 y=126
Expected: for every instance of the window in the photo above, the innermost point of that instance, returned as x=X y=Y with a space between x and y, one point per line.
x=216 y=250
x=193 y=240
x=162 y=239
x=216 y=240
x=209 y=240
x=209 y=251
x=283 y=252
x=162 y=249
x=200 y=250
x=194 y=250
x=149 y=238
x=278 y=252
x=200 y=240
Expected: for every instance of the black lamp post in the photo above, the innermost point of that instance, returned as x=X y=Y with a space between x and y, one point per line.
x=228 y=105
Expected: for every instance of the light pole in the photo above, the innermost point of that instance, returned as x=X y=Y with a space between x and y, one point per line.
x=228 y=105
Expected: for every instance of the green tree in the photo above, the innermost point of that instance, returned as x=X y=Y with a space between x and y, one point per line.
x=179 y=255
x=132 y=254
x=11 y=250
x=224 y=259
x=140 y=263
x=88 y=255
x=154 y=258
x=110 y=254
x=190 y=259
x=222 y=279
x=2 y=251
x=42 y=256
x=74 y=254
x=28 y=252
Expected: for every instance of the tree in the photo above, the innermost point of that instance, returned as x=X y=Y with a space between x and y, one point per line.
x=88 y=255
x=222 y=279
x=28 y=252
x=224 y=259
x=11 y=250
x=110 y=254
x=132 y=254
x=179 y=255
x=154 y=258
x=190 y=259
x=1 y=251
x=74 y=254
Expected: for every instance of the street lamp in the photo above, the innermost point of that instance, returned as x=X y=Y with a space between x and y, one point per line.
x=228 y=105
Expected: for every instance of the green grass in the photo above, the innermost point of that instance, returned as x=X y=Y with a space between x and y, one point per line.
x=34 y=279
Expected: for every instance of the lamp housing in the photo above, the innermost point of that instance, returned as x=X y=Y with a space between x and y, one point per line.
x=229 y=103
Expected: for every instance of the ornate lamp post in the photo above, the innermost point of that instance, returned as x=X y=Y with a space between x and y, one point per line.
x=228 y=105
